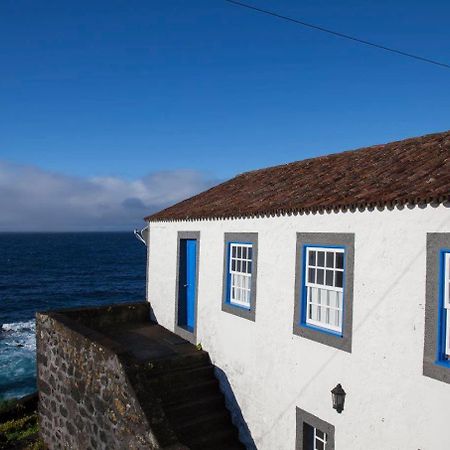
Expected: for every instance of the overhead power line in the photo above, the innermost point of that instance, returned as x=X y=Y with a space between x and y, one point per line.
x=342 y=35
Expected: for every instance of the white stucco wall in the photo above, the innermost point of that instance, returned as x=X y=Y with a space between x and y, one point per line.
x=389 y=404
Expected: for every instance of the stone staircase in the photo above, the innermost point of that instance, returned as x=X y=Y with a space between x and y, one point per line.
x=123 y=381
x=194 y=404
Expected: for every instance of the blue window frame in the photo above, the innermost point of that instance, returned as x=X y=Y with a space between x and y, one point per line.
x=239 y=274
x=443 y=335
x=323 y=288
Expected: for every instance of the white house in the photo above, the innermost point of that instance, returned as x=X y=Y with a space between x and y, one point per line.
x=300 y=277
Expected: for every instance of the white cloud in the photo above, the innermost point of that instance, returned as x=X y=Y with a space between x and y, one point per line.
x=33 y=199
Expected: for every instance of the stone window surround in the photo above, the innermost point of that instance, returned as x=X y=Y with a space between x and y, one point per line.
x=251 y=237
x=431 y=366
x=346 y=240
x=302 y=417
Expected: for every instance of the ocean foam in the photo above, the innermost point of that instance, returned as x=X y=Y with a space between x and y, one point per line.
x=29 y=325
x=18 y=334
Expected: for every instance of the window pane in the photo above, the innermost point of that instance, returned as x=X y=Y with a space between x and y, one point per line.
x=330 y=259
x=319 y=295
x=326 y=297
x=327 y=316
x=233 y=265
x=312 y=275
x=336 y=318
x=320 y=276
x=339 y=300
x=334 y=299
x=238 y=265
x=239 y=252
x=250 y=252
x=314 y=312
x=249 y=267
x=321 y=259
x=329 y=278
x=319 y=433
x=339 y=260
x=312 y=258
x=233 y=251
x=447 y=351
x=339 y=279
x=319 y=445
x=308 y=436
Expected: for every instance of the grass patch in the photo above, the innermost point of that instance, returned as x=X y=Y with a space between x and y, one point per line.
x=21 y=428
x=20 y=433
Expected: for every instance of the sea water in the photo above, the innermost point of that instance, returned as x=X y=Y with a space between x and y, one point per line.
x=45 y=271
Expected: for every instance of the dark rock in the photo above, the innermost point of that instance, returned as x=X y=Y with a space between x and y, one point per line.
x=70 y=428
x=102 y=436
x=63 y=411
x=75 y=393
x=44 y=387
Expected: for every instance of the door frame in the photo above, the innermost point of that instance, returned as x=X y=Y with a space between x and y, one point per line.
x=186 y=334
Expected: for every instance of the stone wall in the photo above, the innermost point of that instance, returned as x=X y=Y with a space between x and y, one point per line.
x=86 y=399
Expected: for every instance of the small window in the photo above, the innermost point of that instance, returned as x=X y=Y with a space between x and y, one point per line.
x=239 y=275
x=313 y=433
x=324 y=291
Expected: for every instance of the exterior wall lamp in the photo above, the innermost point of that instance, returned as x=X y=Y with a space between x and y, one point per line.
x=338 y=397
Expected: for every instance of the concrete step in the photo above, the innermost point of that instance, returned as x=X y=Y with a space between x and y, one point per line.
x=200 y=405
x=187 y=393
x=186 y=377
x=224 y=439
x=196 y=359
x=192 y=427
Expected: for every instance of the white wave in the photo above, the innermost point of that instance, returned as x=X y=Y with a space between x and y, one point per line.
x=20 y=335
x=29 y=325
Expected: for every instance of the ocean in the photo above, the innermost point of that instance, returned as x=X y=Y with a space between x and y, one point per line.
x=45 y=271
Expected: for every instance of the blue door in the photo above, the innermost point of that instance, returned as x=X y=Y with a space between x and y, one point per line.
x=187 y=283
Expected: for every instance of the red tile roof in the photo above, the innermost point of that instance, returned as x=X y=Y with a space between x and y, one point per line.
x=412 y=171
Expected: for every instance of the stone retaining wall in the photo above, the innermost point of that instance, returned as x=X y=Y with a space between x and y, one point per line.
x=86 y=400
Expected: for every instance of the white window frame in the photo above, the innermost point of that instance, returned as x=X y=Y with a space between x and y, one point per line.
x=240 y=288
x=317 y=439
x=309 y=285
x=447 y=302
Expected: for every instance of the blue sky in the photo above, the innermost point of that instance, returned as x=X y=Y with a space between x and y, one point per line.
x=198 y=90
